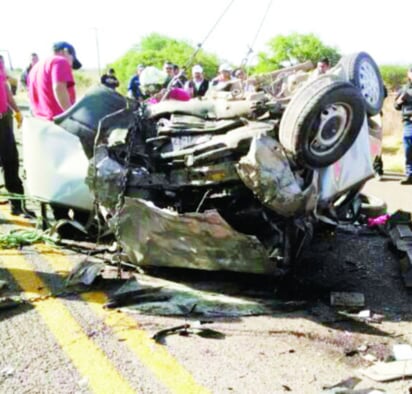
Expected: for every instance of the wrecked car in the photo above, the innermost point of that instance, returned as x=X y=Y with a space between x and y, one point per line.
x=233 y=181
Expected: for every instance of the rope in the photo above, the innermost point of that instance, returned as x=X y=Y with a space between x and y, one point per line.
x=217 y=22
x=196 y=51
x=250 y=50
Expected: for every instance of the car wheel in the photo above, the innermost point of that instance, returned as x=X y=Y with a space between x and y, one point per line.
x=322 y=121
x=362 y=72
x=372 y=206
x=66 y=230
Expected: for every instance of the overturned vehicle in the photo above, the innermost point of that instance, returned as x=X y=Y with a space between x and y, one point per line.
x=233 y=181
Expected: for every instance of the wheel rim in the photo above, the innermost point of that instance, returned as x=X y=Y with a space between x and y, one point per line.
x=369 y=83
x=330 y=128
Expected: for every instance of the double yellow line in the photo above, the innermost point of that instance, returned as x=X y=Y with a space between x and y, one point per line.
x=87 y=357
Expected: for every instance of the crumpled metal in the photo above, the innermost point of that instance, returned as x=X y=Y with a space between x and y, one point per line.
x=105 y=177
x=266 y=171
x=162 y=237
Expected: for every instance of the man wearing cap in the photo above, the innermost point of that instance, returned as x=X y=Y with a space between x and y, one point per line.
x=51 y=82
x=109 y=79
x=223 y=77
x=198 y=85
x=133 y=89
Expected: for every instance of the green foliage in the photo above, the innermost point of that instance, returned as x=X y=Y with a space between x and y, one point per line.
x=294 y=48
x=393 y=76
x=84 y=79
x=154 y=50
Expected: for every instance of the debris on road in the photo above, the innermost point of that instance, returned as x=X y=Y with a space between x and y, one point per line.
x=402 y=352
x=133 y=293
x=85 y=272
x=401 y=239
x=7 y=303
x=188 y=330
x=349 y=383
x=384 y=372
x=150 y=295
x=347 y=299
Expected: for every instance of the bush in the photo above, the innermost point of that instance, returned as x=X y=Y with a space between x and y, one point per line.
x=393 y=76
x=154 y=50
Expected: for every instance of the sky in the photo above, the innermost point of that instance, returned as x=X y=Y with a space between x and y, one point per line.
x=103 y=31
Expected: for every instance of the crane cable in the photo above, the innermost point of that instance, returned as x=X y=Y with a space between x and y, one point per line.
x=196 y=51
x=250 y=50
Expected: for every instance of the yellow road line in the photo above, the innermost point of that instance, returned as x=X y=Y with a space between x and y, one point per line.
x=155 y=357
x=86 y=356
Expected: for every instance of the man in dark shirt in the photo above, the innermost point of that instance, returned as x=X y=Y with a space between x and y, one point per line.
x=403 y=102
x=198 y=85
x=133 y=90
x=110 y=79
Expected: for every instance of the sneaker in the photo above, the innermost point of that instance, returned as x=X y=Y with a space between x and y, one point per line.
x=407 y=180
x=28 y=214
x=16 y=210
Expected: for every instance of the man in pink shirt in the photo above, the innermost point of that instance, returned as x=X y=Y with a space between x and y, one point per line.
x=51 y=82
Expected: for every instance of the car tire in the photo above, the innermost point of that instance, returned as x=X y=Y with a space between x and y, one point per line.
x=322 y=121
x=66 y=230
x=372 y=206
x=362 y=71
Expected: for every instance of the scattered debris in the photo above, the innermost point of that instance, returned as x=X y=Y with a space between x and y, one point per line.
x=401 y=239
x=378 y=221
x=187 y=330
x=367 y=316
x=347 y=299
x=369 y=357
x=140 y=295
x=349 y=383
x=402 y=352
x=177 y=299
x=347 y=387
x=85 y=272
x=7 y=372
x=383 y=372
x=7 y=303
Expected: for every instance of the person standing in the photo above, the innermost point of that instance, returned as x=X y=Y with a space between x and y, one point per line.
x=220 y=82
x=8 y=151
x=109 y=79
x=51 y=82
x=198 y=85
x=133 y=90
x=23 y=78
x=403 y=103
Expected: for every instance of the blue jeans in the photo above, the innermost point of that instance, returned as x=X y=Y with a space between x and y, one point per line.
x=407 y=143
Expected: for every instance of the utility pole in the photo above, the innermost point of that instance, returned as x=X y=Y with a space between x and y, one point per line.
x=96 y=35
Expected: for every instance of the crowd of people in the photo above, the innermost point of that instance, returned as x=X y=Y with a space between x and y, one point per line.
x=152 y=85
x=51 y=88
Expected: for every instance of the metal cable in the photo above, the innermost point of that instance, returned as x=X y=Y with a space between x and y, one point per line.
x=250 y=50
x=192 y=57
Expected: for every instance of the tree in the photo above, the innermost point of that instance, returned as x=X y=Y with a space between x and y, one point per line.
x=294 y=48
x=394 y=76
x=155 y=49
